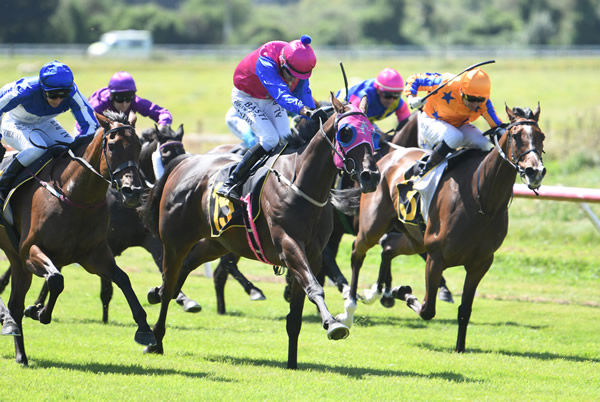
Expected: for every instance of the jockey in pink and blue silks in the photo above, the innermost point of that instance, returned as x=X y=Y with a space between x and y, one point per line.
x=268 y=83
x=383 y=94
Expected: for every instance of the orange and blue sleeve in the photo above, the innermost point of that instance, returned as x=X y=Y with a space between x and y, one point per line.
x=489 y=114
x=422 y=82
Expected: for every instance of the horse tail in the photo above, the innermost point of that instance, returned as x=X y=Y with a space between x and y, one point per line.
x=346 y=201
x=148 y=211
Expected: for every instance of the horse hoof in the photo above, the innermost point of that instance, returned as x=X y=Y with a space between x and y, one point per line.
x=256 y=294
x=337 y=331
x=155 y=349
x=32 y=312
x=444 y=294
x=387 y=302
x=145 y=338
x=191 y=306
x=11 y=328
x=153 y=296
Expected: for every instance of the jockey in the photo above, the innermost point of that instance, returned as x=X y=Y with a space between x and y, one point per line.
x=269 y=82
x=29 y=106
x=120 y=96
x=383 y=96
x=444 y=123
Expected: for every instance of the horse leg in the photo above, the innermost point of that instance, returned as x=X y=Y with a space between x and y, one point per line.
x=444 y=293
x=9 y=326
x=254 y=292
x=294 y=323
x=102 y=263
x=106 y=294
x=20 y=284
x=296 y=260
x=4 y=280
x=39 y=263
x=474 y=275
x=220 y=275
x=433 y=275
x=172 y=262
x=330 y=266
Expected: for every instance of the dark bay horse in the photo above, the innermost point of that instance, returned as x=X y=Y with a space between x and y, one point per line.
x=294 y=223
x=71 y=225
x=468 y=215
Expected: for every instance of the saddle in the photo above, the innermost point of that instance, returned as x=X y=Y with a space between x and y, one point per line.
x=227 y=214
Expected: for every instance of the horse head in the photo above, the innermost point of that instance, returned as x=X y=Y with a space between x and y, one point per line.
x=526 y=145
x=354 y=143
x=120 y=155
x=170 y=142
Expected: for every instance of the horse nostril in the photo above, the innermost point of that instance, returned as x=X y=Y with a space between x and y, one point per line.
x=365 y=176
x=529 y=171
x=543 y=172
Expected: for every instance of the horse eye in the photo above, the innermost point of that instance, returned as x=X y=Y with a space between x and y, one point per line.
x=345 y=135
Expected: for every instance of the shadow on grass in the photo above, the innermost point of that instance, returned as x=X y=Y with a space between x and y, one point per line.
x=125 y=369
x=529 y=355
x=353 y=372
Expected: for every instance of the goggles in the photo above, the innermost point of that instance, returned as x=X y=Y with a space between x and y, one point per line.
x=473 y=99
x=120 y=97
x=58 y=93
x=390 y=95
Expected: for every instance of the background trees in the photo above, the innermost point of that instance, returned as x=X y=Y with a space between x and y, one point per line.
x=334 y=22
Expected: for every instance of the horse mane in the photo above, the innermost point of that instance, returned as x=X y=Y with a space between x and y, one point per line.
x=526 y=113
x=118 y=117
x=148 y=211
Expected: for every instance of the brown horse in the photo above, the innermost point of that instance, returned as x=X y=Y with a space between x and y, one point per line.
x=62 y=218
x=293 y=226
x=468 y=215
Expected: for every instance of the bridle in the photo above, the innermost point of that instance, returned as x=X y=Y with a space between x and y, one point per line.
x=514 y=160
x=114 y=182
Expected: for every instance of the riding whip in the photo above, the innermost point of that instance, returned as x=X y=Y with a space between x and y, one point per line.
x=457 y=75
x=345 y=79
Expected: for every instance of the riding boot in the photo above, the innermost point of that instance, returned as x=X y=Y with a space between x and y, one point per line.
x=230 y=189
x=439 y=153
x=9 y=174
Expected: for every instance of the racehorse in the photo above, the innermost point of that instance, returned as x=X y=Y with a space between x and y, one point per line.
x=62 y=218
x=294 y=223
x=126 y=228
x=468 y=215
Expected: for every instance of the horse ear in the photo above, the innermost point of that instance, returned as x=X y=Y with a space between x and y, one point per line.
x=103 y=120
x=364 y=104
x=509 y=112
x=179 y=133
x=157 y=133
x=536 y=112
x=337 y=105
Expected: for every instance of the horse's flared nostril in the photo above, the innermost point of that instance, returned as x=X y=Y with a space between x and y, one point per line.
x=368 y=181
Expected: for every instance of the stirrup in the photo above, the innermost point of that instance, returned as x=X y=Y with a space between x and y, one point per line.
x=229 y=192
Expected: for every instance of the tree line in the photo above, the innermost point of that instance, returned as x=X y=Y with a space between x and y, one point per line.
x=423 y=23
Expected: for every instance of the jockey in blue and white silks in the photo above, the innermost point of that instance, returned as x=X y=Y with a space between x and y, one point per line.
x=28 y=107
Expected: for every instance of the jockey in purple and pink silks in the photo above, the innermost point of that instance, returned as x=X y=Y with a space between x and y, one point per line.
x=120 y=96
x=383 y=96
x=268 y=83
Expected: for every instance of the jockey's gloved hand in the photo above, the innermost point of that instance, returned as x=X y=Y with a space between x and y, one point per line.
x=316 y=115
x=2 y=151
x=80 y=139
x=415 y=102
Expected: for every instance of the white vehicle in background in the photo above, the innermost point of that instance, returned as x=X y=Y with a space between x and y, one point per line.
x=127 y=43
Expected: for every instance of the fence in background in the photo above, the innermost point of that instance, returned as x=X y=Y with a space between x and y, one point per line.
x=558 y=193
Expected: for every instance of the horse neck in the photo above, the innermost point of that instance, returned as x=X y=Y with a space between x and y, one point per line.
x=80 y=183
x=315 y=165
x=146 y=167
x=494 y=180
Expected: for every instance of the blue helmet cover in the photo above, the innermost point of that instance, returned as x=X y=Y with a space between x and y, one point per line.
x=56 y=75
